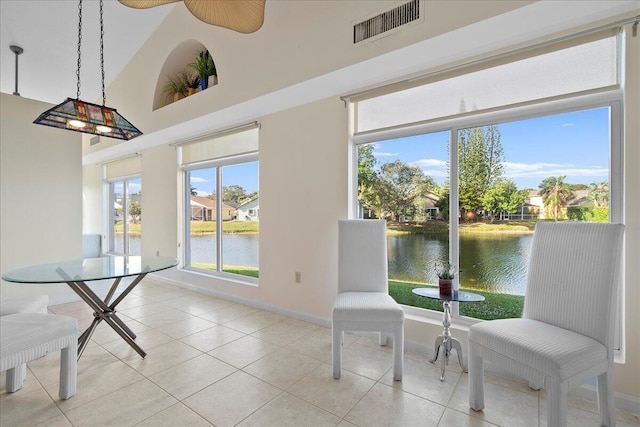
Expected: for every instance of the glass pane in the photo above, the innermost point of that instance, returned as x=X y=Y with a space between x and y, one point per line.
x=202 y=224
x=134 y=219
x=405 y=181
x=240 y=219
x=118 y=197
x=587 y=66
x=512 y=175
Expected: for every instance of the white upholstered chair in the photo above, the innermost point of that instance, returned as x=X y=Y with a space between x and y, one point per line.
x=363 y=303
x=28 y=336
x=565 y=337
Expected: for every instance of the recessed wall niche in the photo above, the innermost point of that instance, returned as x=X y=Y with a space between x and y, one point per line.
x=177 y=62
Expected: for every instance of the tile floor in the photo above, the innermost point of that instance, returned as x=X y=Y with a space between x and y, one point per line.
x=215 y=362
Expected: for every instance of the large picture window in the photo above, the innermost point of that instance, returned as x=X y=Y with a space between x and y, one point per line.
x=465 y=184
x=222 y=204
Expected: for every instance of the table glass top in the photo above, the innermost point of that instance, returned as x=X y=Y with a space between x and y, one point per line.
x=108 y=267
x=460 y=296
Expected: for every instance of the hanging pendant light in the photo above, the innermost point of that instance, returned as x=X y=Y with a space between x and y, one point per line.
x=81 y=116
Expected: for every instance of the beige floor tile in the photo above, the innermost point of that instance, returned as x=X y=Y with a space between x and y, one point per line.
x=344 y=423
x=336 y=396
x=317 y=344
x=243 y=351
x=231 y=399
x=144 y=310
x=95 y=383
x=163 y=318
x=148 y=340
x=206 y=305
x=162 y=357
x=68 y=307
x=176 y=415
x=186 y=327
x=105 y=333
x=384 y=405
x=47 y=369
x=189 y=377
x=212 y=338
x=288 y=410
x=124 y=407
x=254 y=321
x=182 y=300
x=57 y=421
x=499 y=405
x=423 y=379
x=282 y=368
x=283 y=333
x=580 y=414
x=366 y=361
x=228 y=314
x=453 y=418
x=132 y=300
x=25 y=409
x=160 y=295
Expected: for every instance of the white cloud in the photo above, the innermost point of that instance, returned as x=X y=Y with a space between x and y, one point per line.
x=382 y=154
x=430 y=162
x=564 y=125
x=197 y=179
x=544 y=170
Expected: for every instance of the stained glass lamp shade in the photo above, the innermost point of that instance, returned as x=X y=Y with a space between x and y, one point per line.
x=81 y=116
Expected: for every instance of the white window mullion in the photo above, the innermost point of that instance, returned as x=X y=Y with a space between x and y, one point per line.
x=454 y=242
x=219 y=219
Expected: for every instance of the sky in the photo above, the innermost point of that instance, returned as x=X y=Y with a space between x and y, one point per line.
x=573 y=144
x=244 y=175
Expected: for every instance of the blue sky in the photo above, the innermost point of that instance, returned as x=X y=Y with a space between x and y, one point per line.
x=244 y=175
x=572 y=144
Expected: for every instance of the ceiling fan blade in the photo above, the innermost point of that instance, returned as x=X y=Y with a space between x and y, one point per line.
x=145 y=4
x=243 y=16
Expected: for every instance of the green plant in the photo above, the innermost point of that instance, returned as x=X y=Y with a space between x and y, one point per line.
x=445 y=270
x=204 y=64
x=192 y=81
x=175 y=84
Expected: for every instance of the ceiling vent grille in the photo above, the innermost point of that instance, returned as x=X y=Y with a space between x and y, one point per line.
x=95 y=140
x=386 y=21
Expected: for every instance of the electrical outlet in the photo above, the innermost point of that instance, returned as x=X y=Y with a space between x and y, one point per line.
x=298 y=277
x=157 y=253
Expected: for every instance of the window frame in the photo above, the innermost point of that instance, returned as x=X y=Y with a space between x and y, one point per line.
x=218 y=164
x=611 y=98
x=125 y=212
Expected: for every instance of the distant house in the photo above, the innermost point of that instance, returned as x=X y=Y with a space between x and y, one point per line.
x=248 y=211
x=204 y=209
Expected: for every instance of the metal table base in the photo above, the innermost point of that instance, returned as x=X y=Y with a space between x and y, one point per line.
x=447 y=342
x=104 y=311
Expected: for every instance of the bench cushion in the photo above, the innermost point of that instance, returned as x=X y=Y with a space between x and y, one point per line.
x=366 y=307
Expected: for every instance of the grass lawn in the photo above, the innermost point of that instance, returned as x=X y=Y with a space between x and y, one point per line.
x=495 y=306
x=204 y=227
x=233 y=269
x=433 y=227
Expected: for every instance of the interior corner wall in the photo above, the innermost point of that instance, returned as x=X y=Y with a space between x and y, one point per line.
x=40 y=194
x=303 y=191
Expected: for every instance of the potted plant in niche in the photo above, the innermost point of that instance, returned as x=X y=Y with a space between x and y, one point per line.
x=446 y=272
x=192 y=81
x=206 y=68
x=175 y=88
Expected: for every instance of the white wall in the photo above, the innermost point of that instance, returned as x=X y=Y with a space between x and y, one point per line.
x=40 y=194
x=304 y=150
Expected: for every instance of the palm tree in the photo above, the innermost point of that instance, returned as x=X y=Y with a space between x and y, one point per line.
x=555 y=193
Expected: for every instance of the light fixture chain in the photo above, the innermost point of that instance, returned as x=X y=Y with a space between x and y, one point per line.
x=104 y=96
x=79 y=44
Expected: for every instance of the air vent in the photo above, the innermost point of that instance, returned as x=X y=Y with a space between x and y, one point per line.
x=386 y=21
x=95 y=140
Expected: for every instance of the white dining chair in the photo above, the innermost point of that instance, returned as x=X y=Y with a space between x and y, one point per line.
x=28 y=336
x=565 y=335
x=363 y=303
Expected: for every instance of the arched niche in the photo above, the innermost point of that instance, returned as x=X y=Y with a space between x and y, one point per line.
x=178 y=60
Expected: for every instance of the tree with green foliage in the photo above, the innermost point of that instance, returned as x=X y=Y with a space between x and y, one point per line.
x=598 y=192
x=233 y=194
x=399 y=184
x=556 y=194
x=505 y=197
x=135 y=211
x=481 y=160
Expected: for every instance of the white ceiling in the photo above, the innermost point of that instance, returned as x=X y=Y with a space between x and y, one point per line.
x=47 y=30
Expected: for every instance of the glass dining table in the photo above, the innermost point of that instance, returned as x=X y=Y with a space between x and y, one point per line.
x=77 y=273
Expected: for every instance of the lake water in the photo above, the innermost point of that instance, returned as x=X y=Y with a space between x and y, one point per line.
x=496 y=263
